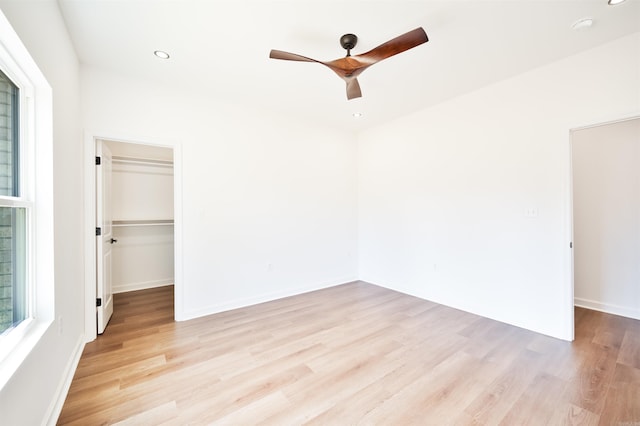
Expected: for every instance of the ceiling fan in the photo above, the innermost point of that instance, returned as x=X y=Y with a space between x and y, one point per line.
x=350 y=67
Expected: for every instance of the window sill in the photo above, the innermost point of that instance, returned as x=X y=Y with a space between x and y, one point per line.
x=23 y=340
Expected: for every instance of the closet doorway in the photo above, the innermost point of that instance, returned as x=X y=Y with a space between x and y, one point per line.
x=606 y=217
x=132 y=206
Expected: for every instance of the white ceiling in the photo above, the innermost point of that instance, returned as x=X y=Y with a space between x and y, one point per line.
x=222 y=47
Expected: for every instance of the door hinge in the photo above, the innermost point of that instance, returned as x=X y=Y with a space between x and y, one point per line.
x=98 y=161
x=98 y=302
x=98 y=231
x=571 y=244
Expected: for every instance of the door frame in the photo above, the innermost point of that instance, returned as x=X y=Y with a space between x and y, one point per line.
x=604 y=122
x=569 y=213
x=90 y=260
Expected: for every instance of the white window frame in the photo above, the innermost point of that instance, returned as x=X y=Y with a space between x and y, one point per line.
x=36 y=195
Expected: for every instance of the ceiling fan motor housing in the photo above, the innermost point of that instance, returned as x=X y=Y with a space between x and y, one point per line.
x=348 y=42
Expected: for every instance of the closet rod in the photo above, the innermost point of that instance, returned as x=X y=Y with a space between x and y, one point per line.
x=142 y=161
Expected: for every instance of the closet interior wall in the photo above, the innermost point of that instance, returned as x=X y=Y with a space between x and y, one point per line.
x=142 y=211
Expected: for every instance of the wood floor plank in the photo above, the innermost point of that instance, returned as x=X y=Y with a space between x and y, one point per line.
x=572 y=415
x=539 y=402
x=413 y=403
x=594 y=376
x=493 y=403
x=214 y=404
x=622 y=406
x=630 y=349
x=167 y=411
x=350 y=354
x=81 y=384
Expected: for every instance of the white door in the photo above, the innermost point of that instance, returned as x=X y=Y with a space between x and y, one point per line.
x=105 y=240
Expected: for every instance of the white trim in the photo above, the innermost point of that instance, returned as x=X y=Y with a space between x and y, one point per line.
x=19 y=344
x=570 y=328
x=54 y=410
x=267 y=297
x=607 y=122
x=15 y=202
x=90 y=138
x=608 y=308
x=124 y=287
x=90 y=332
x=37 y=143
x=414 y=293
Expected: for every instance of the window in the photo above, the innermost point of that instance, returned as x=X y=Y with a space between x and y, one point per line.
x=27 y=297
x=14 y=306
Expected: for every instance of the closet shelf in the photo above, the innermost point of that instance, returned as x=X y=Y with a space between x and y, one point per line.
x=151 y=222
x=142 y=161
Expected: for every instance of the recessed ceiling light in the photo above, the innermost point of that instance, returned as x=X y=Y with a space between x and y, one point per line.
x=357 y=114
x=614 y=2
x=583 y=23
x=161 y=54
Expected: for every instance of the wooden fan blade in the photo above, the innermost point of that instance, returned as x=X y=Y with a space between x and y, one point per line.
x=279 y=54
x=353 y=89
x=393 y=47
x=350 y=67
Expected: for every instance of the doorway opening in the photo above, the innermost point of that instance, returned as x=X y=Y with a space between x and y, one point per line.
x=605 y=161
x=132 y=200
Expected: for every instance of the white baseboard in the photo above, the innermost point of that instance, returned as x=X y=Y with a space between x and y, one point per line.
x=411 y=291
x=122 y=288
x=607 y=308
x=241 y=303
x=63 y=388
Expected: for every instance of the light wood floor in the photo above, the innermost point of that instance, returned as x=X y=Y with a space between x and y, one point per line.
x=352 y=354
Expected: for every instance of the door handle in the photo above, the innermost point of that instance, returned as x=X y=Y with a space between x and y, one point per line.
x=113 y=240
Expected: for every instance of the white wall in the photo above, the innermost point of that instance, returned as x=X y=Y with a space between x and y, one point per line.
x=141 y=192
x=606 y=206
x=30 y=398
x=269 y=204
x=142 y=257
x=444 y=193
